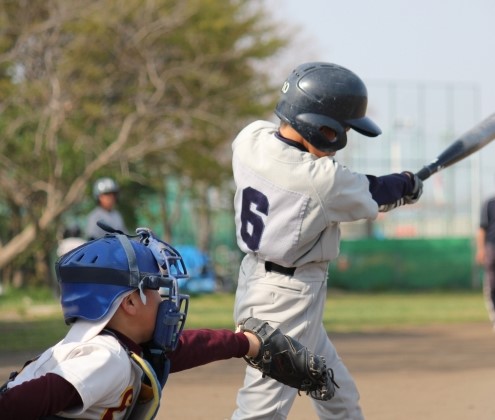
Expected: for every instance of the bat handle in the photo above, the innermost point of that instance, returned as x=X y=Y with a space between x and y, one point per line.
x=424 y=173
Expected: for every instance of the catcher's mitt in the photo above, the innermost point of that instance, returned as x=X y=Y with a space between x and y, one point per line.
x=285 y=359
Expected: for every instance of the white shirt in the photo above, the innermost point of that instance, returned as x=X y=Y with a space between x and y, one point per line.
x=289 y=203
x=101 y=371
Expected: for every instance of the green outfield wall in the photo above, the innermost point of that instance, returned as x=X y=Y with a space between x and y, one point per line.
x=405 y=264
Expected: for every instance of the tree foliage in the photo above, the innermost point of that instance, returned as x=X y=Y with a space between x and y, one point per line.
x=137 y=88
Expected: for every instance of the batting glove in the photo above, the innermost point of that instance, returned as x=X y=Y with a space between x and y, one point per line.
x=410 y=198
x=416 y=191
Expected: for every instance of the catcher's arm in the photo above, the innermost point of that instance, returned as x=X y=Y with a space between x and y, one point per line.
x=254 y=344
x=286 y=360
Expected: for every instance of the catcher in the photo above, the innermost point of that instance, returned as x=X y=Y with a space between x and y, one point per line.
x=119 y=295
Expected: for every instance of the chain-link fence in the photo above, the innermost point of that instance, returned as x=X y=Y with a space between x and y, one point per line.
x=418 y=121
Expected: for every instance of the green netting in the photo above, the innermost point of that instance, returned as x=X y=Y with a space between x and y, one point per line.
x=405 y=264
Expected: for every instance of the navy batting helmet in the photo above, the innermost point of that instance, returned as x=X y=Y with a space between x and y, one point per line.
x=317 y=95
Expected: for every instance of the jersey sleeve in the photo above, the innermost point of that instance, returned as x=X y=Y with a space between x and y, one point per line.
x=47 y=395
x=344 y=194
x=199 y=347
x=92 y=230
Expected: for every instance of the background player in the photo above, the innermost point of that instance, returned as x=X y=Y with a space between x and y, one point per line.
x=485 y=254
x=291 y=195
x=106 y=193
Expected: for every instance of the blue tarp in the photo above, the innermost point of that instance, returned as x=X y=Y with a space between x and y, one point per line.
x=202 y=278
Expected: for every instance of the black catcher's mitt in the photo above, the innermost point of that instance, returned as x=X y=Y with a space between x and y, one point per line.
x=286 y=360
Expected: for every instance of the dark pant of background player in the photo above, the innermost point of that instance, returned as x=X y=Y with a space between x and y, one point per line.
x=489 y=281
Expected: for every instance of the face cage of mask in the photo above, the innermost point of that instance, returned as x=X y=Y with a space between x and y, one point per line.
x=172 y=311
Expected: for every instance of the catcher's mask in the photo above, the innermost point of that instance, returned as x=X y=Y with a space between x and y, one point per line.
x=317 y=95
x=94 y=275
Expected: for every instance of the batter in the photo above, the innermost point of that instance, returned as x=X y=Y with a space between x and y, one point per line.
x=291 y=196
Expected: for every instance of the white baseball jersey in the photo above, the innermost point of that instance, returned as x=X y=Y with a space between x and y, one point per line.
x=289 y=203
x=100 y=370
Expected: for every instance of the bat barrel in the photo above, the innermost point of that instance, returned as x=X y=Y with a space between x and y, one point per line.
x=471 y=141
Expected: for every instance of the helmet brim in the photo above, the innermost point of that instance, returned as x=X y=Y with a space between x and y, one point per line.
x=364 y=126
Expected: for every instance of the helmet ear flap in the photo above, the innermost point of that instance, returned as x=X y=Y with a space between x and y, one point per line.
x=310 y=125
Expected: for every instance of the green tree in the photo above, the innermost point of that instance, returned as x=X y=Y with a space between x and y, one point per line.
x=89 y=87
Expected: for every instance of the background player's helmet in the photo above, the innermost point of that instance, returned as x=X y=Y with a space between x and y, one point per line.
x=317 y=95
x=95 y=274
x=104 y=186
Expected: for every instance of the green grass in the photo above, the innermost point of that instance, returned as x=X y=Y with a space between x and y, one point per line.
x=34 y=323
x=351 y=312
x=358 y=312
x=21 y=298
x=31 y=335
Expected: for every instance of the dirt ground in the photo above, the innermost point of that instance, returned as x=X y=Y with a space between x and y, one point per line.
x=427 y=373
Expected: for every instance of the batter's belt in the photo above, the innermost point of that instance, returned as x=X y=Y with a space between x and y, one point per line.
x=287 y=271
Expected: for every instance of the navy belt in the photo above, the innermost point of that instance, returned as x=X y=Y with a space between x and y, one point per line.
x=271 y=266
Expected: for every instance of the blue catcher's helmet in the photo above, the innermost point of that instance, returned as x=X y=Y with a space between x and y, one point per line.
x=95 y=274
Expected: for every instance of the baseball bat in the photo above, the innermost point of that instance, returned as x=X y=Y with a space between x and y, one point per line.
x=468 y=143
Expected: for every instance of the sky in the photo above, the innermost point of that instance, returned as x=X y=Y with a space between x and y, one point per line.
x=428 y=40
x=435 y=42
